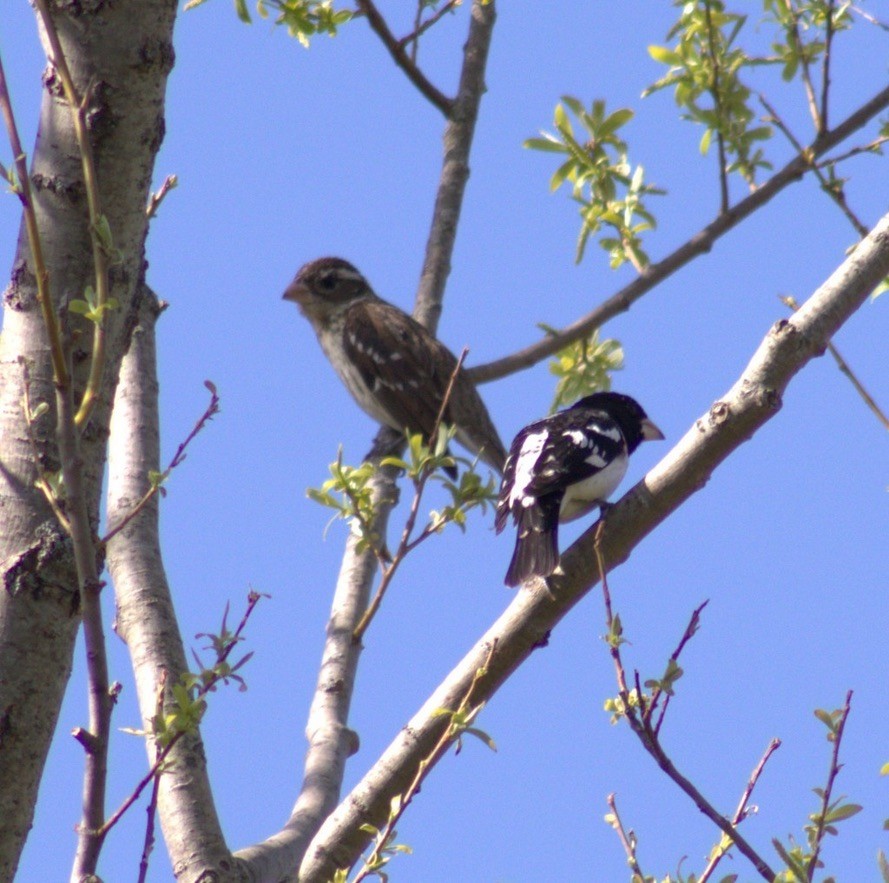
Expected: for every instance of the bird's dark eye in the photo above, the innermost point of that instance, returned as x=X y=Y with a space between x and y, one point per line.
x=327 y=281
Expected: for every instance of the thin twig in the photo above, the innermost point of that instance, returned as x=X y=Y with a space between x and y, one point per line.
x=835 y=194
x=451 y=732
x=404 y=544
x=420 y=27
x=796 y=39
x=871 y=147
x=643 y=730
x=253 y=599
x=872 y=19
x=689 y=633
x=825 y=65
x=97 y=221
x=41 y=274
x=41 y=480
x=148 y=846
x=156 y=485
x=627 y=839
x=717 y=104
x=701 y=243
x=402 y=59
x=790 y=302
x=741 y=812
x=835 y=766
x=156 y=199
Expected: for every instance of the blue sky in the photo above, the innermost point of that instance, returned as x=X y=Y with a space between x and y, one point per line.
x=285 y=154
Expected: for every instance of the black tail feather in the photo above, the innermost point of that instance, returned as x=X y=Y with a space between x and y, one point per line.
x=537 y=545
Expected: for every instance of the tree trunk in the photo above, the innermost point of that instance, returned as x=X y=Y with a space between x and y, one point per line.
x=120 y=56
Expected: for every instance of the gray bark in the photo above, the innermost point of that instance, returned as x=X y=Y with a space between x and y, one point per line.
x=124 y=50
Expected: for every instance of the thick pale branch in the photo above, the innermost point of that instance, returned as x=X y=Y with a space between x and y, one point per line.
x=699 y=244
x=751 y=402
x=146 y=619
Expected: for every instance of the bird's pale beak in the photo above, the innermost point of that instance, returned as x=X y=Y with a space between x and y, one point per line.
x=650 y=432
x=296 y=291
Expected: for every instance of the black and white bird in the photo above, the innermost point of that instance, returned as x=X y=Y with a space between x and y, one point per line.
x=394 y=368
x=560 y=468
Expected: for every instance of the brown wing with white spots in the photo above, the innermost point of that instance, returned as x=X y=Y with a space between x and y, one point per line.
x=409 y=370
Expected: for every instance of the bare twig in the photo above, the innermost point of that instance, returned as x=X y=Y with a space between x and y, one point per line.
x=148 y=845
x=699 y=244
x=211 y=411
x=463 y=712
x=872 y=19
x=627 y=839
x=403 y=60
x=155 y=200
x=420 y=26
x=90 y=836
x=405 y=544
x=835 y=766
x=834 y=193
x=844 y=367
x=741 y=812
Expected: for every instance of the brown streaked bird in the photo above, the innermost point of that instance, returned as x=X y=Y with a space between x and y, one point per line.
x=394 y=368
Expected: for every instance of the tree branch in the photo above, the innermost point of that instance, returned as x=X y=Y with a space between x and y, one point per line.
x=458 y=137
x=146 y=620
x=699 y=244
x=402 y=59
x=331 y=741
x=749 y=404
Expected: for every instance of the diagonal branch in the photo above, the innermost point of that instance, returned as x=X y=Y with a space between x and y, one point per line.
x=701 y=243
x=753 y=400
x=402 y=59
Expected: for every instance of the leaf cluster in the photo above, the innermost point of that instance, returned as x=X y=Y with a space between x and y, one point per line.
x=609 y=191
x=303 y=19
x=705 y=73
x=349 y=490
x=799 y=20
x=181 y=712
x=584 y=367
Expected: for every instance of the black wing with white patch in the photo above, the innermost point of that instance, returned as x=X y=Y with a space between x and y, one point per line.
x=548 y=456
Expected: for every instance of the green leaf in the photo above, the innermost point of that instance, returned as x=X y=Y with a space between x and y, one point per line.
x=547 y=143
x=846 y=811
x=704 y=146
x=665 y=56
x=883 y=865
x=242 y=11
